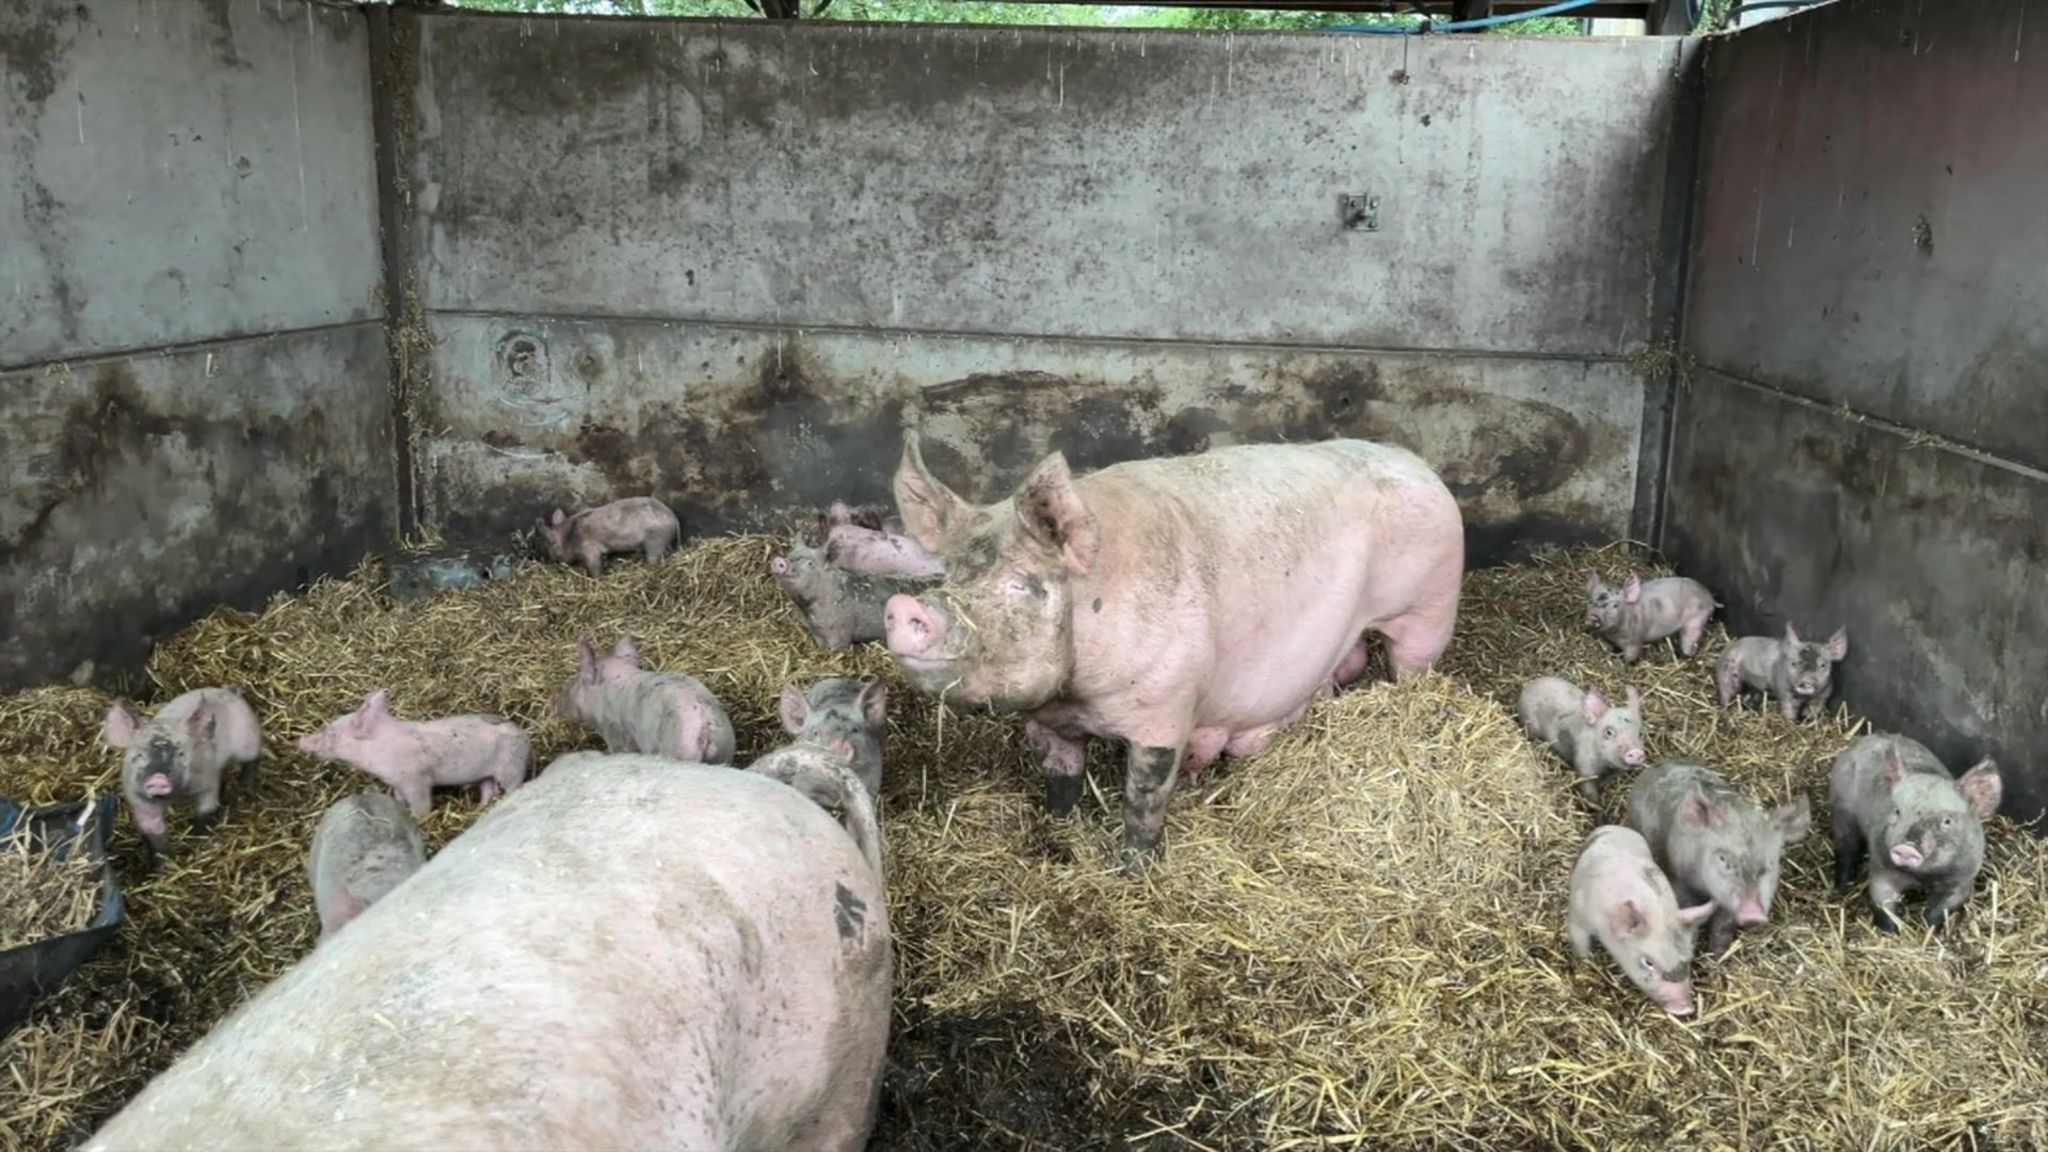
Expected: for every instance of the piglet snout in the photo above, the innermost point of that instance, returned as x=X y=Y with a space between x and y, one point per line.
x=1633 y=757
x=157 y=785
x=1676 y=999
x=1750 y=913
x=912 y=628
x=779 y=565
x=1907 y=856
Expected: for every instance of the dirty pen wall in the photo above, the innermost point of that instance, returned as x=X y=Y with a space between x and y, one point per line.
x=192 y=348
x=727 y=262
x=1863 y=441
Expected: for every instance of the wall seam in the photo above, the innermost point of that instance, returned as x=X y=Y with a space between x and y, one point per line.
x=1671 y=294
x=94 y=359
x=391 y=100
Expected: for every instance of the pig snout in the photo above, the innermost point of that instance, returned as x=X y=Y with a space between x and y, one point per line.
x=1633 y=757
x=1675 y=999
x=1907 y=856
x=157 y=784
x=779 y=565
x=1750 y=912
x=913 y=628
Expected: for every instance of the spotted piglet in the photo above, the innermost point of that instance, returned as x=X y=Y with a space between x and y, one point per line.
x=178 y=756
x=1799 y=673
x=645 y=711
x=637 y=524
x=1593 y=736
x=846 y=715
x=1642 y=612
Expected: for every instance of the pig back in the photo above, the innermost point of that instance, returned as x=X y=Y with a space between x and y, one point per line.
x=624 y=953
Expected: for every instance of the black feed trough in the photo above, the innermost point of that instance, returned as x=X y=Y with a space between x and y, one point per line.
x=31 y=971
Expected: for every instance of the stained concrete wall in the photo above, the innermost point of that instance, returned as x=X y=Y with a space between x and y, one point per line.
x=192 y=354
x=727 y=262
x=1865 y=441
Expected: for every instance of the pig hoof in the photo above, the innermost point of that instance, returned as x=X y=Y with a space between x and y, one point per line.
x=205 y=822
x=1935 y=918
x=1885 y=922
x=1061 y=794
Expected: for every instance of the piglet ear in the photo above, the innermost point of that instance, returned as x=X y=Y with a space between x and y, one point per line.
x=874 y=703
x=1054 y=514
x=1894 y=765
x=1696 y=810
x=586 y=660
x=1635 y=700
x=1592 y=582
x=1594 y=706
x=1838 y=645
x=626 y=650
x=1983 y=788
x=795 y=709
x=1791 y=635
x=558 y=517
x=1633 y=590
x=377 y=703
x=203 y=722
x=1626 y=920
x=1693 y=915
x=118 y=730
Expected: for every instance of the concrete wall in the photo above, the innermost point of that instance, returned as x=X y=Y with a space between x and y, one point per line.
x=727 y=262
x=192 y=354
x=1866 y=438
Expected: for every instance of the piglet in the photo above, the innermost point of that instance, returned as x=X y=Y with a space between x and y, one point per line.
x=635 y=524
x=654 y=713
x=1620 y=897
x=839 y=607
x=1799 y=673
x=1593 y=736
x=414 y=756
x=1643 y=612
x=178 y=755
x=363 y=847
x=1715 y=843
x=846 y=715
x=872 y=516
x=870 y=553
x=1895 y=804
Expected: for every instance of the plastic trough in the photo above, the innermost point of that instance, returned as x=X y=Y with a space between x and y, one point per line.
x=32 y=971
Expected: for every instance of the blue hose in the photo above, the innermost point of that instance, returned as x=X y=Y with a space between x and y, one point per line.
x=1460 y=25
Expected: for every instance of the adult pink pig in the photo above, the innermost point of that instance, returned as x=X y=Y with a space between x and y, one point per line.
x=1189 y=606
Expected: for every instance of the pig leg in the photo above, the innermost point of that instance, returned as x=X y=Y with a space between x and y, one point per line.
x=1720 y=930
x=1849 y=851
x=1689 y=636
x=206 y=812
x=593 y=559
x=1887 y=886
x=1415 y=640
x=245 y=781
x=1581 y=941
x=1817 y=705
x=149 y=821
x=1150 y=773
x=1941 y=901
x=417 y=793
x=1062 y=758
x=487 y=789
x=1726 y=681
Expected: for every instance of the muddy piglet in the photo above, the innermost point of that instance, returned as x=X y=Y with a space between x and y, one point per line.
x=415 y=756
x=1895 y=804
x=1799 y=673
x=363 y=847
x=178 y=756
x=1621 y=898
x=644 y=711
x=874 y=516
x=867 y=552
x=1642 y=612
x=636 y=524
x=1594 y=737
x=1714 y=843
x=846 y=715
x=840 y=608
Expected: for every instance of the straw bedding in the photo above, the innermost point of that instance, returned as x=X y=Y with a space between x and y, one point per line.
x=1354 y=941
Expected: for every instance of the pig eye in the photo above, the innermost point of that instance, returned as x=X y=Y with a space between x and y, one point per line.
x=1649 y=965
x=1948 y=821
x=1722 y=857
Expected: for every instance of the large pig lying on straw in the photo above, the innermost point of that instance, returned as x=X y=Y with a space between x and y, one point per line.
x=1188 y=606
x=625 y=953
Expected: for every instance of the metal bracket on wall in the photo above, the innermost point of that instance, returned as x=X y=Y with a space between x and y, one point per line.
x=1360 y=212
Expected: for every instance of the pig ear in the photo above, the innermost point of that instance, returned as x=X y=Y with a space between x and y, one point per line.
x=1594 y=706
x=1592 y=582
x=1633 y=590
x=1983 y=787
x=625 y=649
x=931 y=511
x=1635 y=700
x=1894 y=765
x=1793 y=819
x=795 y=709
x=874 y=703
x=558 y=517
x=1054 y=514
x=586 y=660
x=1695 y=914
x=1626 y=919
x=119 y=728
x=203 y=721
x=1838 y=645
x=1697 y=811
x=1791 y=634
